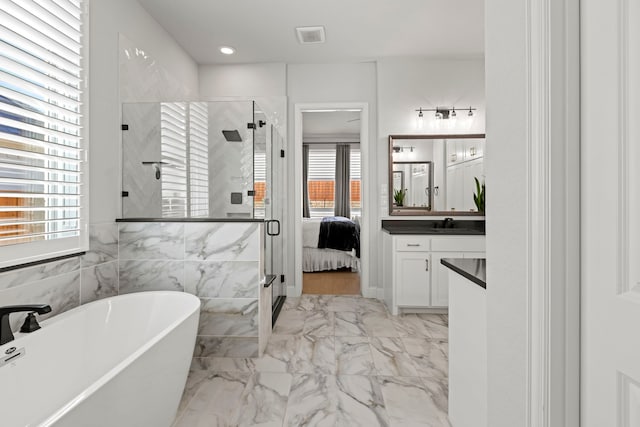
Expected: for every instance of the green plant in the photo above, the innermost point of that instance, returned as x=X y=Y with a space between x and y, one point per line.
x=398 y=196
x=478 y=196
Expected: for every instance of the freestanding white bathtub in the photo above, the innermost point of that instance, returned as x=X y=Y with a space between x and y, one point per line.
x=118 y=362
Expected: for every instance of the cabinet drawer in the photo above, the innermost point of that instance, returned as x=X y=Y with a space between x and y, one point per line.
x=458 y=245
x=413 y=244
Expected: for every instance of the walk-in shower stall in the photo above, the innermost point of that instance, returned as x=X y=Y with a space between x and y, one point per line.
x=205 y=160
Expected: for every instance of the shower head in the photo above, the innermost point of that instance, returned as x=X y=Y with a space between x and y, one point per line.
x=232 y=135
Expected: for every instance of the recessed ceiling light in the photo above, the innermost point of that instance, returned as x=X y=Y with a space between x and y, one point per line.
x=227 y=50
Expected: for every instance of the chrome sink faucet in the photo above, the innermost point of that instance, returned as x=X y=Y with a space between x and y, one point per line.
x=6 y=335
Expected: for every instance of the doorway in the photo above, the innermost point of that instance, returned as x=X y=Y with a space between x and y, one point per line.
x=331 y=202
x=331 y=156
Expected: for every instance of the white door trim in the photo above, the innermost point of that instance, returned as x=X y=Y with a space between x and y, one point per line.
x=299 y=108
x=553 y=278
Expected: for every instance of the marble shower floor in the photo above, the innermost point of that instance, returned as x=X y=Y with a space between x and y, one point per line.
x=331 y=361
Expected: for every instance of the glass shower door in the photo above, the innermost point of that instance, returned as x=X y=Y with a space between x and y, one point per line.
x=274 y=211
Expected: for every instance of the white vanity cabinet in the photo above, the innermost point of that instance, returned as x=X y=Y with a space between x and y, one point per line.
x=414 y=277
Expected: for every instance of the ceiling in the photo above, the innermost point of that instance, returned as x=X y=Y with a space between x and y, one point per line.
x=338 y=123
x=356 y=30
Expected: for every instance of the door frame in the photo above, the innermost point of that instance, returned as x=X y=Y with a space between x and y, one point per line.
x=537 y=118
x=299 y=109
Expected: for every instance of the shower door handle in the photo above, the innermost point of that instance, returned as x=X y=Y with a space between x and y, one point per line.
x=273 y=221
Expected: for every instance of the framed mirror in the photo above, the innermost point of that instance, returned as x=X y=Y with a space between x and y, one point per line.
x=435 y=174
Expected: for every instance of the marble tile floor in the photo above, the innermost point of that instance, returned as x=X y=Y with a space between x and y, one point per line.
x=331 y=361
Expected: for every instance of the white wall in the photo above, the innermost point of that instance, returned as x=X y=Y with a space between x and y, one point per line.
x=406 y=84
x=250 y=80
x=327 y=83
x=109 y=18
x=507 y=166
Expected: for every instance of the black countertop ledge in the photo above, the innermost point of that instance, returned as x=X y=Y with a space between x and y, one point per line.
x=474 y=269
x=189 y=220
x=434 y=227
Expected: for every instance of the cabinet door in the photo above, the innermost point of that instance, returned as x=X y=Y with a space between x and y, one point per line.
x=472 y=170
x=452 y=154
x=474 y=149
x=412 y=279
x=455 y=187
x=440 y=278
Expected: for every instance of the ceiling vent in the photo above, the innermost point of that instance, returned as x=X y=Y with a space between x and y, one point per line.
x=310 y=34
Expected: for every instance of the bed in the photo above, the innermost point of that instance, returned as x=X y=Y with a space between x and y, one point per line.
x=330 y=243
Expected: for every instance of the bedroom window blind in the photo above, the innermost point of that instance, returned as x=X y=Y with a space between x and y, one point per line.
x=42 y=151
x=321 y=180
x=356 y=201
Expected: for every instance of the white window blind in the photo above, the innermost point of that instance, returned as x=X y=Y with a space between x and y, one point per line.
x=354 y=166
x=173 y=147
x=322 y=176
x=199 y=159
x=259 y=183
x=322 y=164
x=41 y=129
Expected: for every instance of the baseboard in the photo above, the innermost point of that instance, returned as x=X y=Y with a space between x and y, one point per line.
x=418 y=310
x=291 y=292
x=377 y=293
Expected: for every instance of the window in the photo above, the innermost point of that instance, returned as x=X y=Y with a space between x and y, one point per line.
x=41 y=130
x=199 y=159
x=173 y=170
x=356 y=200
x=259 y=183
x=321 y=181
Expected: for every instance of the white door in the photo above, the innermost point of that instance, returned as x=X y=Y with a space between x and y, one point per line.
x=610 y=210
x=412 y=279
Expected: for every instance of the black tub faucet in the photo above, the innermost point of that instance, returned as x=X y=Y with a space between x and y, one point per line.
x=447 y=223
x=5 y=328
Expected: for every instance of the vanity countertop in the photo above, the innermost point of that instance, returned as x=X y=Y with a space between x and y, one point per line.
x=434 y=227
x=474 y=269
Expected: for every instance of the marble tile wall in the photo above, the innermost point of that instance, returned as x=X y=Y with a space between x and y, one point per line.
x=218 y=262
x=230 y=163
x=67 y=283
x=221 y=263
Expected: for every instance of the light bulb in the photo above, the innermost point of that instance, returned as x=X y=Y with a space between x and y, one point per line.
x=470 y=112
x=453 y=112
x=420 y=119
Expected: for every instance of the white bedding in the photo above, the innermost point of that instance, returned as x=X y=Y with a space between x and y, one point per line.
x=310 y=232
x=314 y=259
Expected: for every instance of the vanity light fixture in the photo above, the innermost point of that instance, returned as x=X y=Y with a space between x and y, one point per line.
x=420 y=119
x=442 y=112
x=227 y=50
x=399 y=149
